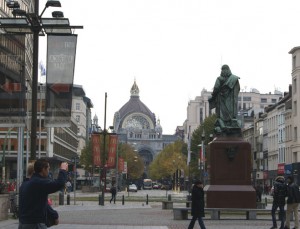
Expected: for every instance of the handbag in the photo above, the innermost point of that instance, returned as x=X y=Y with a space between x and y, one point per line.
x=50 y=221
x=51 y=216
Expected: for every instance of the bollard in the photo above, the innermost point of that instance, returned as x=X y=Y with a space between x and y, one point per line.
x=266 y=201
x=101 y=201
x=147 y=200
x=123 y=200
x=68 y=199
x=61 y=198
x=169 y=197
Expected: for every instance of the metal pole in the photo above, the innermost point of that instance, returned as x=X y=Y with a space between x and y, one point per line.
x=35 y=59
x=40 y=120
x=117 y=167
x=202 y=162
x=3 y=154
x=20 y=157
x=75 y=180
x=103 y=160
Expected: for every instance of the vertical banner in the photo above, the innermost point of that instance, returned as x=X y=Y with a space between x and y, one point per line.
x=125 y=167
x=12 y=80
x=121 y=164
x=61 y=53
x=200 y=154
x=96 y=149
x=112 y=151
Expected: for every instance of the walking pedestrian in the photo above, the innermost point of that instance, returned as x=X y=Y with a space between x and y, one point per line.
x=293 y=201
x=113 y=191
x=279 y=194
x=197 y=205
x=33 y=197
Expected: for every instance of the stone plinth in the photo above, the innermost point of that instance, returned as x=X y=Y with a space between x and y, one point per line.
x=230 y=174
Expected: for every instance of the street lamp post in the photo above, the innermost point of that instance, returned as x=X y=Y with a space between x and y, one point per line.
x=104 y=157
x=202 y=158
x=33 y=23
x=76 y=161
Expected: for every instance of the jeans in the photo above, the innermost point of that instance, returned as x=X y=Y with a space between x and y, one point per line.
x=113 y=198
x=281 y=214
x=292 y=208
x=32 y=226
x=200 y=220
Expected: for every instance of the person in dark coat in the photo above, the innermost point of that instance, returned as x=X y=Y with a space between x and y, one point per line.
x=33 y=196
x=279 y=194
x=197 y=205
x=293 y=201
x=113 y=191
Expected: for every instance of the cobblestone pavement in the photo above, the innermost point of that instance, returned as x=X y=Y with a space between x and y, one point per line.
x=134 y=215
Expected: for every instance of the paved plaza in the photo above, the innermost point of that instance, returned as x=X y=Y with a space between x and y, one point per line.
x=134 y=215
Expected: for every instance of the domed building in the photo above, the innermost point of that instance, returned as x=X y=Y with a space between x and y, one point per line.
x=137 y=125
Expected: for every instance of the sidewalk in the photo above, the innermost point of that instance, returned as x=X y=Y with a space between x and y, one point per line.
x=134 y=215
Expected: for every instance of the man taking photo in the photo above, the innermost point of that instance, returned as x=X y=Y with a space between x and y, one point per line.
x=34 y=194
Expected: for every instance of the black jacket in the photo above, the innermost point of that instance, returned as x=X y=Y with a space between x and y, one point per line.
x=293 y=194
x=280 y=192
x=33 y=199
x=197 y=202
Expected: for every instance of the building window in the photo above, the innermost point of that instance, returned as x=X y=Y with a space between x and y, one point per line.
x=263 y=100
x=294 y=62
x=78 y=118
x=295 y=133
x=295 y=108
x=274 y=100
x=77 y=107
x=247 y=98
x=294 y=86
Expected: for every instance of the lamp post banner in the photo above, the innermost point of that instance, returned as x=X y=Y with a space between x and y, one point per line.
x=96 y=149
x=112 y=153
x=12 y=80
x=61 y=53
x=121 y=165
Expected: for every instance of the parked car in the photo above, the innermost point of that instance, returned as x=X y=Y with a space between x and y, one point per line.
x=132 y=188
x=156 y=186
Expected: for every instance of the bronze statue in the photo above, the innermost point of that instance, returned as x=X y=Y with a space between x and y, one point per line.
x=225 y=100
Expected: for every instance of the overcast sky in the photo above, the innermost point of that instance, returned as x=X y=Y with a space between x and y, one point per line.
x=175 y=48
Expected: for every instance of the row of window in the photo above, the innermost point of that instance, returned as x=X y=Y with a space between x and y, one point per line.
x=150 y=136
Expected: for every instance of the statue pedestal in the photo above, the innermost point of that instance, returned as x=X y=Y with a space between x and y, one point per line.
x=230 y=174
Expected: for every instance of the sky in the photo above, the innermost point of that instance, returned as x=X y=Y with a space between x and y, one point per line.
x=175 y=48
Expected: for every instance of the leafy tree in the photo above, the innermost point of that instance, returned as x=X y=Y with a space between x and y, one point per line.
x=173 y=156
x=86 y=157
x=206 y=130
x=135 y=163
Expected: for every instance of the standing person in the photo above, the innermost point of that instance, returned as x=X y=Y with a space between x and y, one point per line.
x=69 y=186
x=279 y=194
x=293 y=201
x=34 y=195
x=51 y=213
x=113 y=191
x=197 y=205
x=258 y=193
